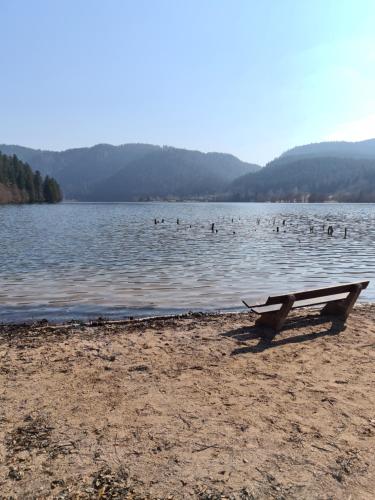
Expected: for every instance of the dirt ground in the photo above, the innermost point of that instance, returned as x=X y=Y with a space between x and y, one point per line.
x=189 y=407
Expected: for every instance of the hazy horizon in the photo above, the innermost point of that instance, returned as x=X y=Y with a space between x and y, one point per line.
x=234 y=77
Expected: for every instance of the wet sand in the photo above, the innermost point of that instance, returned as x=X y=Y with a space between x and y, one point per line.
x=189 y=407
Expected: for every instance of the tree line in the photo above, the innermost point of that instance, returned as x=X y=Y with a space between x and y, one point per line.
x=35 y=188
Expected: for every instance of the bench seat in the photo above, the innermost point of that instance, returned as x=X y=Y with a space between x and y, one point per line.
x=318 y=301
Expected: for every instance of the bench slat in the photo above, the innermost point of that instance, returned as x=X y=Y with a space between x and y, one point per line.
x=318 y=301
x=319 y=292
x=308 y=294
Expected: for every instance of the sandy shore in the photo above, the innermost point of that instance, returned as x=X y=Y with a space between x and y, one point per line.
x=191 y=407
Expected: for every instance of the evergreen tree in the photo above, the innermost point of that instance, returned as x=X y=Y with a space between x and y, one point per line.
x=29 y=183
x=38 y=187
x=47 y=192
x=16 y=174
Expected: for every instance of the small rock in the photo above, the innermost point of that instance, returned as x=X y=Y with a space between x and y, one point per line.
x=57 y=482
x=139 y=368
x=14 y=474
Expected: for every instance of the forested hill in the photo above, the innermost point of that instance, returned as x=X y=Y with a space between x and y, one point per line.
x=309 y=179
x=325 y=171
x=19 y=184
x=171 y=173
x=132 y=172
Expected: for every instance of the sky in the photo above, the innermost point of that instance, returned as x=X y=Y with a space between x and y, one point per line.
x=245 y=77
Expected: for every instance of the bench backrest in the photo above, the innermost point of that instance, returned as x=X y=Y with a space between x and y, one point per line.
x=317 y=292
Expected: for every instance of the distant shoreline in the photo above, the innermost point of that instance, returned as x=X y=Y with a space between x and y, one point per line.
x=229 y=201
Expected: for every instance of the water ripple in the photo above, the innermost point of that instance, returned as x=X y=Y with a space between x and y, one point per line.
x=87 y=259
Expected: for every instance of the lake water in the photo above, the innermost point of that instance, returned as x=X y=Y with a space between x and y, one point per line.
x=88 y=259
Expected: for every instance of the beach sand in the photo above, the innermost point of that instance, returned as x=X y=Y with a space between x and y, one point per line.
x=189 y=407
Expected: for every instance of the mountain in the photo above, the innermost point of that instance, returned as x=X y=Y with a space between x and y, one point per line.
x=297 y=178
x=135 y=171
x=358 y=150
x=171 y=173
x=325 y=171
x=19 y=184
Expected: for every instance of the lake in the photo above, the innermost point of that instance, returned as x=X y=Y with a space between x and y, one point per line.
x=83 y=260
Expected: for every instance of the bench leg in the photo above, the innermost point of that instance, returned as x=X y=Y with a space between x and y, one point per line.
x=276 y=319
x=342 y=308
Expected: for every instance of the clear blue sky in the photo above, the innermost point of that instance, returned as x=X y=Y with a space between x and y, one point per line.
x=252 y=78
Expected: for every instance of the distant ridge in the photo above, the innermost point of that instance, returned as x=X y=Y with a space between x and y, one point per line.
x=131 y=172
x=338 y=149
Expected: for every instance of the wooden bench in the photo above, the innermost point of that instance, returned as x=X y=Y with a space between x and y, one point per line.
x=339 y=300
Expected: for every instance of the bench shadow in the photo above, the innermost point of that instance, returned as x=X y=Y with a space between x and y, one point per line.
x=333 y=326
